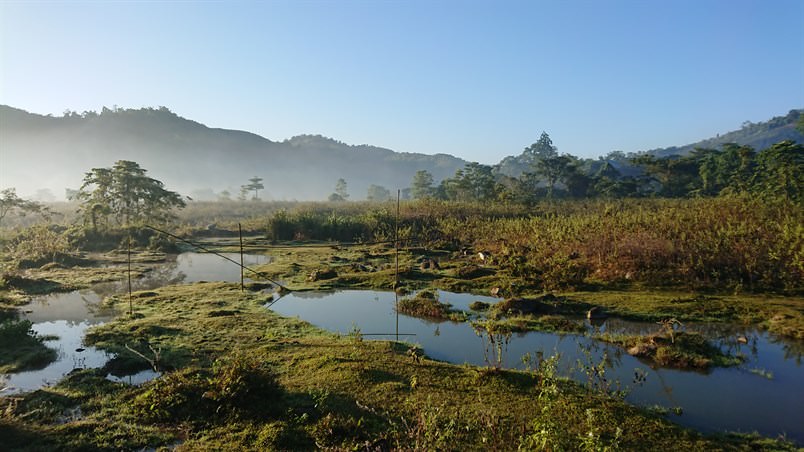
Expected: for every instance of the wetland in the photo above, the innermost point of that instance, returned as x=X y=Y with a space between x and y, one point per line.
x=339 y=359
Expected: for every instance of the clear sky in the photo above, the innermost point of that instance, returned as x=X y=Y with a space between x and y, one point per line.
x=480 y=80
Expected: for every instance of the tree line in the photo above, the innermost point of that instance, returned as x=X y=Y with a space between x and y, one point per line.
x=777 y=172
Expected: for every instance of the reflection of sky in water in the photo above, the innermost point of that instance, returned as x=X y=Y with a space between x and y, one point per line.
x=188 y=268
x=68 y=315
x=71 y=336
x=723 y=399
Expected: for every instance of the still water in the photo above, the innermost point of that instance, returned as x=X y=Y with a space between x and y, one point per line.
x=733 y=399
x=68 y=315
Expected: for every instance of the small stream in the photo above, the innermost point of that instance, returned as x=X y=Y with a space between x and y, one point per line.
x=735 y=399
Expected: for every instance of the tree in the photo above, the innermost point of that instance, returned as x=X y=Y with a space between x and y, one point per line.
x=480 y=181
x=551 y=168
x=378 y=193
x=126 y=194
x=422 y=185
x=542 y=149
x=11 y=203
x=780 y=171
x=341 y=193
x=224 y=196
x=255 y=185
x=545 y=161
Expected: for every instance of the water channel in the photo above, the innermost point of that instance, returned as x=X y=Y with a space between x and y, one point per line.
x=764 y=394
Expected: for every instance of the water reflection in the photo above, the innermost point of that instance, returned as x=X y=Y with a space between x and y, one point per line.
x=66 y=316
x=734 y=399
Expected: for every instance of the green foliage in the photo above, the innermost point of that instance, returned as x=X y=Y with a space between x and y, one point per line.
x=255 y=185
x=425 y=304
x=474 y=182
x=422 y=185
x=125 y=195
x=378 y=193
x=11 y=203
x=780 y=172
x=241 y=386
x=21 y=348
x=39 y=245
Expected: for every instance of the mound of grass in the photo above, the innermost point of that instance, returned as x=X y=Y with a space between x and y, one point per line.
x=425 y=304
x=682 y=350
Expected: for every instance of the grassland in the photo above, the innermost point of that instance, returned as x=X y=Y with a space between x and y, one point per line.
x=240 y=377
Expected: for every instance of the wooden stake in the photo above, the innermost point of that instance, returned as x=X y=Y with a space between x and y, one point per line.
x=240 y=229
x=130 y=307
x=396 y=252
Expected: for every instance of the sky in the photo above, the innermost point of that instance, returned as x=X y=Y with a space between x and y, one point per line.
x=477 y=79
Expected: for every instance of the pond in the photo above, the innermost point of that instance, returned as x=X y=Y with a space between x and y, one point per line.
x=733 y=399
x=68 y=315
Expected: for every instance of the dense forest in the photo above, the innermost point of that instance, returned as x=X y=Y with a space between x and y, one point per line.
x=777 y=171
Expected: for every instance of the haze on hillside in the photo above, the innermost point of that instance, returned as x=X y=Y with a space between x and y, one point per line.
x=204 y=162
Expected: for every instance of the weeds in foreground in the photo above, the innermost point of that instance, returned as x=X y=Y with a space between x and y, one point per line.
x=429 y=429
x=547 y=430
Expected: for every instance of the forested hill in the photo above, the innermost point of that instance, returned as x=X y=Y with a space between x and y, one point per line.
x=55 y=152
x=757 y=135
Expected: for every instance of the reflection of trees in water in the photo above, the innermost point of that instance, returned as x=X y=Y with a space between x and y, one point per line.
x=158 y=276
x=163 y=275
x=93 y=304
x=793 y=349
x=314 y=295
x=730 y=338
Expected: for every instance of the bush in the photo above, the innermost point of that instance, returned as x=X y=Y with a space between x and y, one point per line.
x=239 y=387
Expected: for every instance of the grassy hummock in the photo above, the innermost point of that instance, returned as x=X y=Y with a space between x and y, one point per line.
x=684 y=350
x=425 y=304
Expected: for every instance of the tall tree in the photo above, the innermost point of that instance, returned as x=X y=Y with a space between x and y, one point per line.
x=780 y=171
x=551 y=169
x=127 y=194
x=545 y=161
x=255 y=185
x=341 y=193
x=422 y=185
x=378 y=193
x=541 y=149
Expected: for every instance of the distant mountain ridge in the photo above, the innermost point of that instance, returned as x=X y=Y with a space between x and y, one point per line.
x=38 y=151
x=759 y=136
x=54 y=152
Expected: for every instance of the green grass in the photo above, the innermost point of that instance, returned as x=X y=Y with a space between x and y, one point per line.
x=682 y=350
x=21 y=348
x=425 y=305
x=324 y=391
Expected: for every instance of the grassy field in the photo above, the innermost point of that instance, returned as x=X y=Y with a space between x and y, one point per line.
x=238 y=376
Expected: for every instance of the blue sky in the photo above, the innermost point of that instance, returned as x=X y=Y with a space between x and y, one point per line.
x=480 y=80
